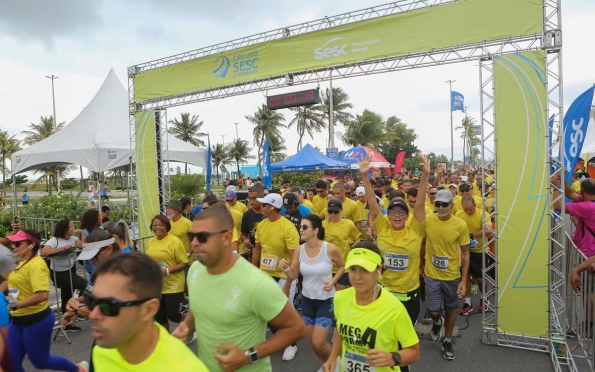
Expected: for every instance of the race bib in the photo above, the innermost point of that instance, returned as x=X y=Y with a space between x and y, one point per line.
x=364 y=224
x=356 y=363
x=440 y=262
x=268 y=262
x=396 y=262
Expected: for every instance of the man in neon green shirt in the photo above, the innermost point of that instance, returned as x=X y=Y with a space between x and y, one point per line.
x=123 y=312
x=232 y=302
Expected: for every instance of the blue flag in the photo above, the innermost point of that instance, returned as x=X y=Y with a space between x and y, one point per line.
x=575 y=129
x=267 y=177
x=209 y=163
x=457 y=101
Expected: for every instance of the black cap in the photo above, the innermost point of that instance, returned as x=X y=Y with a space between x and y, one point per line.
x=398 y=203
x=334 y=205
x=465 y=187
x=290 y=199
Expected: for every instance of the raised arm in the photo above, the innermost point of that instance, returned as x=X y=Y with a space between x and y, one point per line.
x=419 y=210
x=364 y=168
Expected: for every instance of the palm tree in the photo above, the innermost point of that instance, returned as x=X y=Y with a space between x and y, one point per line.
x=467 y=134
x=340 y=104
x=239 y=150
x=187 y=129
x=8 y=146
x=398 y=137
x=220 y=158
x=267 y=124
x=307 y=119
x=276 y=148
x=41 y=131
x=38 y=133
x=366 y=129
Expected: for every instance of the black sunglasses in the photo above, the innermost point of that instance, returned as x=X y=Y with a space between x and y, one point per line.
x=109 y=306
x=333 y=212
x=203 y=236
x=305 y=227
x=441 y=204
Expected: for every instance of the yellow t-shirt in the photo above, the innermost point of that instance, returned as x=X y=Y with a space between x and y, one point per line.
x=576 y=186
x=443 y=239
x=238 y=206
x=349 y=209
x=383 y=325
x=341 y=234
x=168 y=352
x=237 y=223
x=30 y=277
x=169 y=251
x=386 y=201
x=400 y=250
x=320 y=204
x=180 y=230
x=307 y=203
x=474 y=224
x=361 y=215
x=275 y=239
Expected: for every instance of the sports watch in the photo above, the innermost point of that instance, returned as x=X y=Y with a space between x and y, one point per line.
x=397 y=358
x=252 y=355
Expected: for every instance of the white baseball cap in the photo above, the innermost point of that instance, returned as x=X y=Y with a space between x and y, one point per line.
x=360 y=191
x=90 y=250
x=273 y=199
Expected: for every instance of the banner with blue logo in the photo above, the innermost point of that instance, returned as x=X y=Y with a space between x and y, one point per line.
x=267 y=177
x=457 y=101
x=575 y=129
x=209 y=163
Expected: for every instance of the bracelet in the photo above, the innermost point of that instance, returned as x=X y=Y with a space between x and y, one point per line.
x=167 y=270
x=286 y=270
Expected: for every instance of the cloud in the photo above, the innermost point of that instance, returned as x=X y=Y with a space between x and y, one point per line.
x=46 y=21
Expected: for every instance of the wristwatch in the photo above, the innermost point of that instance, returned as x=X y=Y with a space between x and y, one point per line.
x=252 y=355
x=397 y=358
x=13 y=306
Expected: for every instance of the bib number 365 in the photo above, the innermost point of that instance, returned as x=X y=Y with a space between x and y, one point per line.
x=356 y=363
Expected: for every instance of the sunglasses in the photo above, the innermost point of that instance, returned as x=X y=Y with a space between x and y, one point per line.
x=109 y=306
x=203 y=236
x=333 y=212
x=305 y=227
x=393 y=212
x=18 y=244
x=441 y=205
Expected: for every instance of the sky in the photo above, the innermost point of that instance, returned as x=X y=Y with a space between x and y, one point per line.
x=79 y=41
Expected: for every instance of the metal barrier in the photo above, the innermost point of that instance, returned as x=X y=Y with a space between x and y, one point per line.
x=579 y=305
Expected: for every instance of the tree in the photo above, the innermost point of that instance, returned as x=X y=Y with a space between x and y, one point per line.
x=8 y=146
x=188 y=130
x=365 y=129
x=267 y=124
x=307 y=119
x=239 y=150
x=220 y=158
x=340 y=104
x=468 y=135
x=398 y=137
x=276 y=148
x=38 y=133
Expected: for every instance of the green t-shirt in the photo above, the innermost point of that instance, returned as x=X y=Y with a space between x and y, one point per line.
x=168 y=352
x=233 y=308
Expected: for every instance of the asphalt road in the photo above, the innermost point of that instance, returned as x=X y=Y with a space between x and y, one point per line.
x=471 y=354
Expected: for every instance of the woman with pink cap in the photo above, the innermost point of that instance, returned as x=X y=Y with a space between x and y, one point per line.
x=30 y=330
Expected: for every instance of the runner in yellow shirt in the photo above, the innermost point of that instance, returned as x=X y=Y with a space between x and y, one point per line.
x=371 y=323
x=320 y=200
x=362 y=212
x=122 y=312
x=232 y=202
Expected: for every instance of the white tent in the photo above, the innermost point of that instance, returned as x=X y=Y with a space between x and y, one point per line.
x=99 y=137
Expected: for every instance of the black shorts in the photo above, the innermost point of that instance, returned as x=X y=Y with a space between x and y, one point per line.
x=318 y=312
x=412 y=303
x=169 y=308
x=475 y=265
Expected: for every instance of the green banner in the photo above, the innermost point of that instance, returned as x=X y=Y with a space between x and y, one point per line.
x=448 y=25
x=146 y=168
x=520 y=104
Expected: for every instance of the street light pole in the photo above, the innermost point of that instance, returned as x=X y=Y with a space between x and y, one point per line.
x=237 y=130
x=223 y=136
x=55 y=122
x=452 y=140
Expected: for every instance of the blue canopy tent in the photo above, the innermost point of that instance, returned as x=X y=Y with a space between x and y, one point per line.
x=306 y=160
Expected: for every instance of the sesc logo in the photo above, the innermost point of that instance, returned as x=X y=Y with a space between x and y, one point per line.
x=221 y=70
x=331 y=51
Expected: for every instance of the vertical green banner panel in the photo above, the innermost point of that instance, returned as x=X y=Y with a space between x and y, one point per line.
x=520 y=103
x=146 y=168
